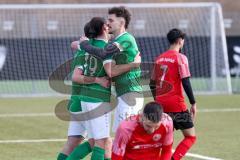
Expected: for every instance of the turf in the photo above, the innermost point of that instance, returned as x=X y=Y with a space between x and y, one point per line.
x=218 y=132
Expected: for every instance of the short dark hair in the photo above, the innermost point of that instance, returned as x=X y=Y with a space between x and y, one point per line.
x=86 y=29
x=153 y=112
x=121 y=12
x=174 y=34
x=94 y=27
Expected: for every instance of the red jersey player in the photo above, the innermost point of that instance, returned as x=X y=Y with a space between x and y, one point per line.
x=148 y=136
x=170 y=76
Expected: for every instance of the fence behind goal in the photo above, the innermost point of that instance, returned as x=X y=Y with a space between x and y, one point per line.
x=35 y=40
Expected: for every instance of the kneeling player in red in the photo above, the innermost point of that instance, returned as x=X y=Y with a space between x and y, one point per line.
x=147 y=136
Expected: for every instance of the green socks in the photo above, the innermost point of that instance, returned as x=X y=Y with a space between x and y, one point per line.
x=97 y=153
x=62 y=156
x=80 y=151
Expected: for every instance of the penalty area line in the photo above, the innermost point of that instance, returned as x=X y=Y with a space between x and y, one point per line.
x=52 y=114
x=201 y=157
x=31 y=141
x=26 y=115
x=198 y=156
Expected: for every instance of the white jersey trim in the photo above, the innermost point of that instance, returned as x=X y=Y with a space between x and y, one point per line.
x=119 y=46
x=108 y=61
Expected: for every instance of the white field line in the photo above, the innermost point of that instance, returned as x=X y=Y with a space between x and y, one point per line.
x=31 y=141
x=201 y=157
x=63 y=140
x=52 y=114
x=198 y=156
x=27 y=115
x=219 y=110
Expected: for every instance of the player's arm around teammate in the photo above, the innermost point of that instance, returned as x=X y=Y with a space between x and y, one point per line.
x=121 y=52
x=92 y=72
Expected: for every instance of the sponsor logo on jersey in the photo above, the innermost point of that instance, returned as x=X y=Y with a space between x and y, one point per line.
x=156 y=137
x=167 y=60
x=146 y=146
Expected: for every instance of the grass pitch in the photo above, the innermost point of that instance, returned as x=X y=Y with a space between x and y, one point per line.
x=217 y=128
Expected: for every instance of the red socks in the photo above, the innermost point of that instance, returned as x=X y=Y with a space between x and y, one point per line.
x=183 y=147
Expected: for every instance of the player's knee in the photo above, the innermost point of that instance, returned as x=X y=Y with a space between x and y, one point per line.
x=108 y=144
x=108 y=147
x=72 y=142
x=100 y=143
x=108 y=141
x=91 y=142
x=68 y=147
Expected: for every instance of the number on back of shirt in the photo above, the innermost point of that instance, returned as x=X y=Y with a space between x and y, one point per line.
x=164 y=69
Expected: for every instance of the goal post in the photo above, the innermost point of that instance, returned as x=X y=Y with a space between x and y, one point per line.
x=36 y=40
x=217 y=19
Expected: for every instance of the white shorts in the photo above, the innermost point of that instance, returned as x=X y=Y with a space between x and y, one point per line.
x=97 y=128
x=77 y=128
x=128 y=104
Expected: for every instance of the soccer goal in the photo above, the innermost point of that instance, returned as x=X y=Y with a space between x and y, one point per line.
x=35 y=41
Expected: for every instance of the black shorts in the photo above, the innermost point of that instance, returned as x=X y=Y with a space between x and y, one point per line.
x=181 y=120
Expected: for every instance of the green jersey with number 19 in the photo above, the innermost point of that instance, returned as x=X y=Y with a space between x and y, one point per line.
x=93 y=67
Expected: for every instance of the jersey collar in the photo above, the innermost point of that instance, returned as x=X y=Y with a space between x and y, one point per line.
x=120 y=35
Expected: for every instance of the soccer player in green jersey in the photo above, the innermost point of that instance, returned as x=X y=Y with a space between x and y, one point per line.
x=122 y=50
x=95 y=95
x=98 y=128
x=77 y=129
